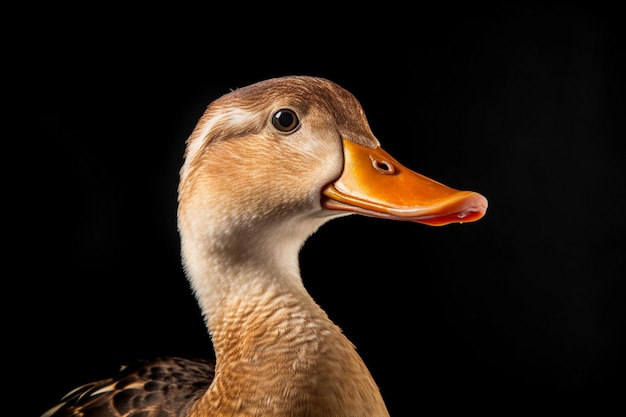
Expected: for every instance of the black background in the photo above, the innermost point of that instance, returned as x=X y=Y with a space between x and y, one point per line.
x=522 y=310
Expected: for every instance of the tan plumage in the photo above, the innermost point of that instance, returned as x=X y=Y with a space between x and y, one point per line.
x=264 y=168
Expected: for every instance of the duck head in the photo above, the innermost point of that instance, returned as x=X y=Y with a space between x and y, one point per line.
x=299 y=146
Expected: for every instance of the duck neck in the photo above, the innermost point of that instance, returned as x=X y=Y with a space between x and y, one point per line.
x=277 y=351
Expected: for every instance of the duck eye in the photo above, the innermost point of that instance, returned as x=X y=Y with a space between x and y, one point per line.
x=285 y=120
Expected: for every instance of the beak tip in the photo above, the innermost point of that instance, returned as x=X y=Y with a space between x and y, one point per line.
x=470 y=207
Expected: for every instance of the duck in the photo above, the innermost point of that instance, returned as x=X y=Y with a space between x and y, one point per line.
x=266 y=165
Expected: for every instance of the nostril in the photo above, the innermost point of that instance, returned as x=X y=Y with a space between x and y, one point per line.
x=382 y=166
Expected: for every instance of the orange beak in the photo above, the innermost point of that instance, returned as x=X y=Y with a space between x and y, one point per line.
x=374 y=184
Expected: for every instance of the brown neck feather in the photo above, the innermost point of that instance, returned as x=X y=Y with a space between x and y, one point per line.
x=281 y=355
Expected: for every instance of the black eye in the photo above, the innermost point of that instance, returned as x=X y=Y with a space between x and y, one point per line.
x=285 y=120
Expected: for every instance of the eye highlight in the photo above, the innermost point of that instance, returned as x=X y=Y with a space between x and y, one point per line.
x=285 y=120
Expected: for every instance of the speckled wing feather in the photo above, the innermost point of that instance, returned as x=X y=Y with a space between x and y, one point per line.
x=164 y=387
